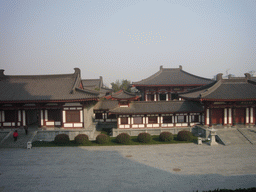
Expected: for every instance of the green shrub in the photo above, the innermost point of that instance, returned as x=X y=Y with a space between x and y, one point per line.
x=123 y=138
x=102 y=139
x=82 y=139
x=144 y=137
x=185 y=136
x=106 y=131
x=61 y=139
x=166 y=136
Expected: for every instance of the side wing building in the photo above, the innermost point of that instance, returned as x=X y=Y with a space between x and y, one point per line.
x=46 y=100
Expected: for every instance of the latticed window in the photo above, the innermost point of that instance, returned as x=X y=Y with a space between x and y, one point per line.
x=167 y=119
x=162 y=97
x=10 y=115
x=137 y=120
x=181 y=118
x=73 y=116
x=54 y=115
x=152 y=120
x=124 y=120
x=195 y=118
x=98 y=116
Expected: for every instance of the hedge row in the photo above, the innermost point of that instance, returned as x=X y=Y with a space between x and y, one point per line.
x=123 y=138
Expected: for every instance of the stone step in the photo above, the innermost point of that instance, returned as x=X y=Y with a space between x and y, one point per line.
x=21 y=141
x=96 y=133
x=249 y=133
x=233 y=136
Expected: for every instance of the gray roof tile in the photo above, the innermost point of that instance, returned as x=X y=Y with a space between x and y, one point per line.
x=225 y=89
x=158 y=107
x=43 y=87
x=106 y=105
x=124 y=95
x=173 y=76
x=91 y=82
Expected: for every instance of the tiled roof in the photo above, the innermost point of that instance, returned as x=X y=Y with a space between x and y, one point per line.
x=43 y=87
x=172 y=76
x=146 y=107
x=225 y=89
x=106 y=105
x=93 y=83
x=123 y=95
x=253 y=79
x=96 y=85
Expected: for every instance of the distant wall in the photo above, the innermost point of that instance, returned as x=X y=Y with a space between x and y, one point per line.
x=49 y=135
x=157 y=131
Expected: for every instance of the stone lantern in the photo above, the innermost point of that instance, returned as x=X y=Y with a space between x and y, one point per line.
x=212 y=136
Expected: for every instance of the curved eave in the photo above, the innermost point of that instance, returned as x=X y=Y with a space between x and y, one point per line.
x=126 y=99
x=95 y=110
x=173 y=85
x=51 y=101
x=190 y=99
x=122 y=99
x=141 y=113
x=227 y=99
x=108 y=97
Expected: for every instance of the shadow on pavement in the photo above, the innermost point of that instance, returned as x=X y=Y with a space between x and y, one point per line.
x=80 y=169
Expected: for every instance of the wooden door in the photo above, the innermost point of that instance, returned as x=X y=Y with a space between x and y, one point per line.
x=240 y=115
x=217 y=116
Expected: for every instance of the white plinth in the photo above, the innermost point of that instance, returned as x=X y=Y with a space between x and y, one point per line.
x=29 y=145
x=199 y=141
x=213 y=135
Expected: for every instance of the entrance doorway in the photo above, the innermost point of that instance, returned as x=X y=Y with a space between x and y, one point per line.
x=217 y=116
x=32 y=117
x=240 y=115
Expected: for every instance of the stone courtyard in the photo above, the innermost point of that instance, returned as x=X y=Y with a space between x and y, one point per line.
x=171 y=167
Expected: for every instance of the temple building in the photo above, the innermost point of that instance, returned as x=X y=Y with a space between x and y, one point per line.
x=167 y=83
x=228 y=102
x=46 y=101
x=174 y=100
x=135 y=113
x=170 y=100
x=118 y=99
x=96 y=85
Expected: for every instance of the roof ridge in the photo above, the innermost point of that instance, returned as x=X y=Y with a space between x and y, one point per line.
x=87 y=91
x=211 y=89
x=39 y=76
x=146 y=81
x=77 y=80
x=171 y=69
x=90 y=79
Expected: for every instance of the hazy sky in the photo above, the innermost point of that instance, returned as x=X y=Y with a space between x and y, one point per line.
x=127 y=39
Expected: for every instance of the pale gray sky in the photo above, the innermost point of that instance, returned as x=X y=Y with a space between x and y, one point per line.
x=127 y=39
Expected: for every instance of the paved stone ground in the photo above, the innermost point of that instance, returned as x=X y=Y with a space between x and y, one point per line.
x=22 y=138
x=176 y=167
x=2 y=135
x=232 y=136
x=249 y=133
